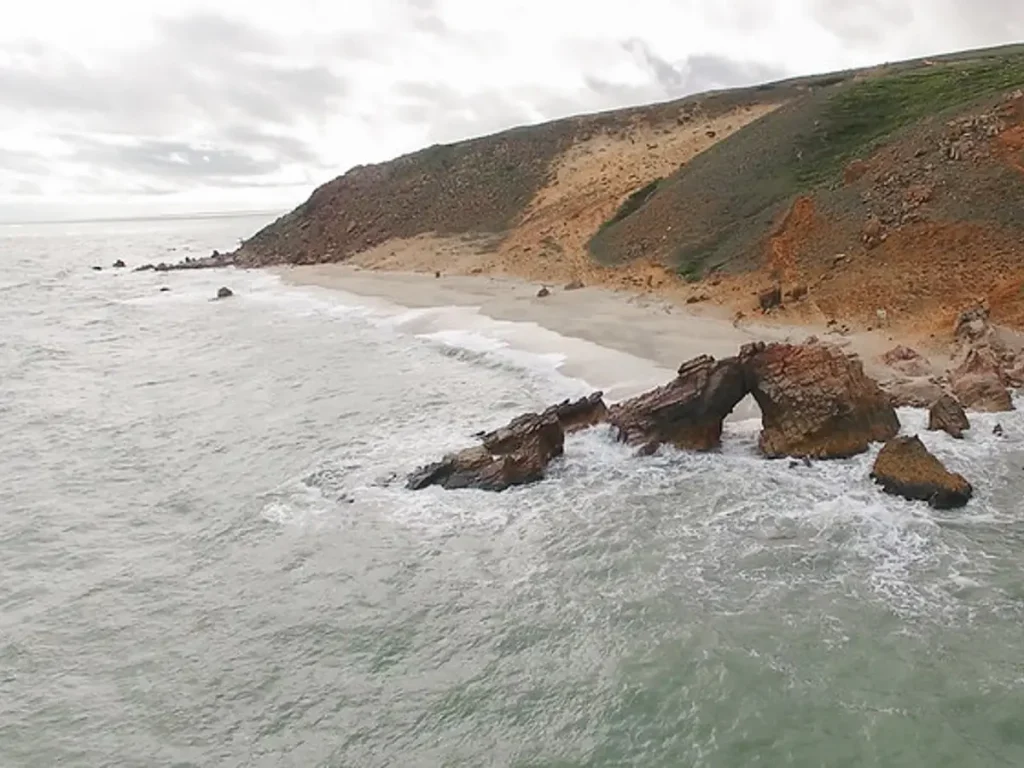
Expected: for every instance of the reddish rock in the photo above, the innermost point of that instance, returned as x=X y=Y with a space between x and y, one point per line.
x=687 y=412
x=815 y=401
x=770 y=299
x=918 y=392
x=516 y=454
x=947 y=415
x=873 y=232
x=907 y=361
x=904 y=467
x=979 y=382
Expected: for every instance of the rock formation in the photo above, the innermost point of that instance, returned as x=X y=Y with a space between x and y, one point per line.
x=215 y=260
x=907 y=361
x=515 y=454
x=947 y=415
x=815 y=401
x=919 y=392
x=687 y=412
x=904 y=467
x=979 y=374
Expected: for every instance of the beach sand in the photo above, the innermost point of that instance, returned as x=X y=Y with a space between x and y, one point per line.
x=620 y=341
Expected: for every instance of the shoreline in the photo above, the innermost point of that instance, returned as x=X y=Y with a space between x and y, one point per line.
x=653 y=332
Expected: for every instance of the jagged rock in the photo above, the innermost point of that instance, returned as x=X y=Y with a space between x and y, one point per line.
x=687 y=412
x=904 y=467
x=224 y=292
x=574 y=285
x=770 y=299
x=580 y=414
x=516 y=454
x=919 y=392
x=815 y=401
x=947 y=415
x=543 y=292
x=979 y=383
x=119 y=264
x=907 y=361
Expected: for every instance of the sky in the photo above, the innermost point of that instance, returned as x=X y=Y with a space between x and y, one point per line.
x=113 y=107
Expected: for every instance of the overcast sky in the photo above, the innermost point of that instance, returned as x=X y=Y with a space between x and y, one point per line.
x=170 y=105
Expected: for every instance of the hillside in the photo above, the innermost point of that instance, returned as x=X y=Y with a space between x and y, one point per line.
x=898 y=188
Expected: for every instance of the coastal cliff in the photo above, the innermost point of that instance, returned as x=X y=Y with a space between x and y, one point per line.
x=885 y=197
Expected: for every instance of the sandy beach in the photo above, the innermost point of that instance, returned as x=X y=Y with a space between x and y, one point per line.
x=648 y=335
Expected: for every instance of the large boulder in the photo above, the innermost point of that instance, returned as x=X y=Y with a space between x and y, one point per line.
x=947 y=415
x=515 y=454
x=979 y=382
x=816 y=401
x=688 y=411
x=904 y=467
x=918 y=392
x=907 y=361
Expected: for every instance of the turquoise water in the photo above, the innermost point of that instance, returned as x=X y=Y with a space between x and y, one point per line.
x=206 y=559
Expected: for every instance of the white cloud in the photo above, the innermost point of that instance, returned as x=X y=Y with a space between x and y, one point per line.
x=247 y=102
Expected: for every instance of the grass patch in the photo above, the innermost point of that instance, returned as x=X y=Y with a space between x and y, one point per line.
x=864 y=112
x=633 y=202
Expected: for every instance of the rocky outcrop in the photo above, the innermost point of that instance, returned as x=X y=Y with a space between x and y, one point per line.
x=947 y=415
x=580 y=414
x=215 y=260
x=979 y=374
x=687 y=412
x=907 y=361
x=904 y=467
x=815 y=401
x=917 y=392
x=515 y=454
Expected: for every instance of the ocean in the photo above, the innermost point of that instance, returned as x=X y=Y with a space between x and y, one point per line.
x=208 y=557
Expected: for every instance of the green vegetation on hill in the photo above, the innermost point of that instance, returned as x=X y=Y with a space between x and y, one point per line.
x=715 y=212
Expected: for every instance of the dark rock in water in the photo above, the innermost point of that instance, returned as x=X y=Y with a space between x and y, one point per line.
x=543 y=292
x=164 y=288
x=687 y=412
x=119 y=264
x=816 y=401
x=572 y=417
x=947 y=415
x=437 y=274
x=223 y=292
x=574 y=285
x=904 y=467
x=997 y=430
x=97 y=269
x=144 y=268
x=516 y=454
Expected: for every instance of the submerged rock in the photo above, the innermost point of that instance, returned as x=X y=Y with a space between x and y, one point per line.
x=904 y=467
x=224 y=292
x=687 y=412
x=947 y=415
x=97 y=269
x=816 y=401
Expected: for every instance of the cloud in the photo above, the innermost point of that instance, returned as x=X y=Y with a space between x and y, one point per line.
x=208 y=97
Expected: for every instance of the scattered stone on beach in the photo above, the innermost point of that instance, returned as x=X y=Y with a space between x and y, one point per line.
x=770 y=299
x=224 y=292
x=816 y=401
x=947 y=415
x=119 y=264
x=543 y=292
x=437 y=273
x=687 y=412
x=574 y=285
x=904 y=467
x=797 y=292
x=907 y=361
x=516 y=454
x=97 y=269
x=917 y=392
